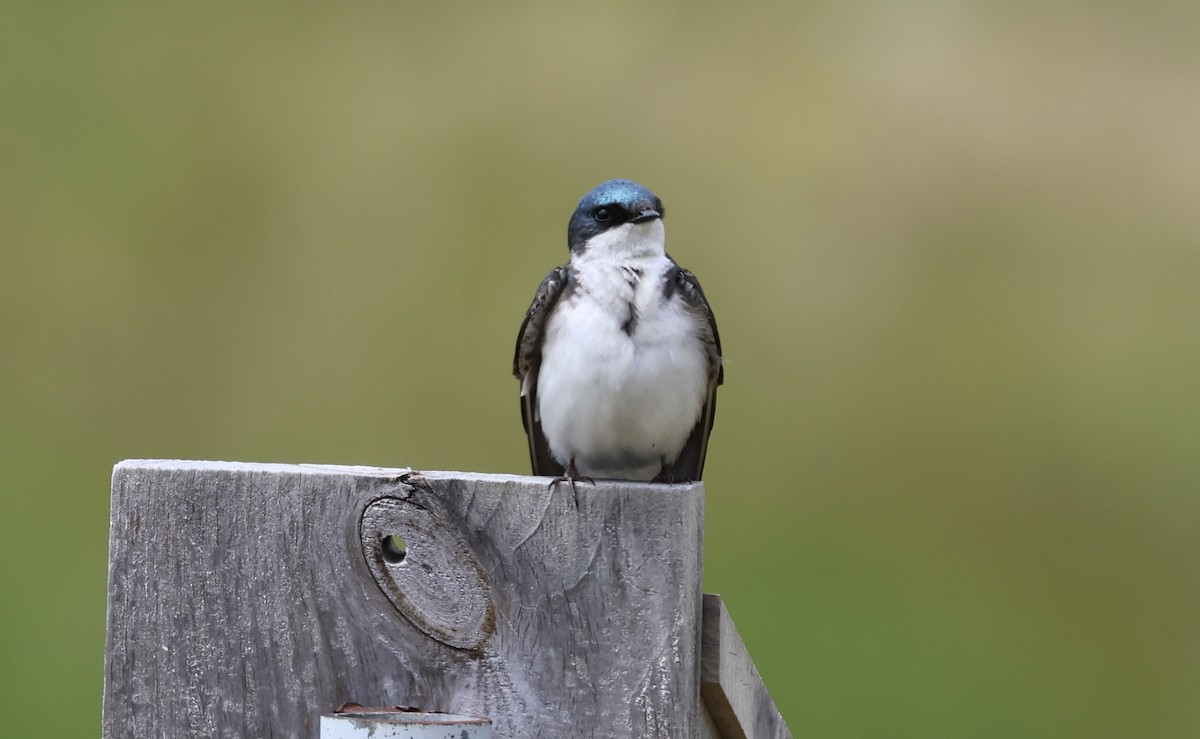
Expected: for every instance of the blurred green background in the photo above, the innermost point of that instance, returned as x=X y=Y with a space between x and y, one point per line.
x=953 y=247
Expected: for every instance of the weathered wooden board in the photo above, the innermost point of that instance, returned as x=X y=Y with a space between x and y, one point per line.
x=734 y=694
x=246 y=600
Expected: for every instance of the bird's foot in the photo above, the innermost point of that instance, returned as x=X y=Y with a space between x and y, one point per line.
x=667 y=475
x=571 y=475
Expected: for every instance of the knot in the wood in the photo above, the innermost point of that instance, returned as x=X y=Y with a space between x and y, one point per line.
x=425 y=566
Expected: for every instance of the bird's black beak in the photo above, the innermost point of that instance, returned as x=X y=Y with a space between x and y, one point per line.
x=646 y=214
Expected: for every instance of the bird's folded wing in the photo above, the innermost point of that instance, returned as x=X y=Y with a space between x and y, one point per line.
x=527 y=362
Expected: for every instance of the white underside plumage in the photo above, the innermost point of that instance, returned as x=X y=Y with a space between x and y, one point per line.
x=621 y=403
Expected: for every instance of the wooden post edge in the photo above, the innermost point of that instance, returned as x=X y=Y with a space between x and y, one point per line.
x=732 y=690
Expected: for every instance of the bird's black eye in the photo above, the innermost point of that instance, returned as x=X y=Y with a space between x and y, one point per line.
x=602 y=214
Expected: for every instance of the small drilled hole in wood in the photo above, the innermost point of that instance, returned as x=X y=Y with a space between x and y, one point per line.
x=394 y=549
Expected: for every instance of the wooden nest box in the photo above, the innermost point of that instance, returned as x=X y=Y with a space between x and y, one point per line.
x=246 y=600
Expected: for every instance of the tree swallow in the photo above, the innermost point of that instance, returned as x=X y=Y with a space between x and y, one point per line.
x=618 y=356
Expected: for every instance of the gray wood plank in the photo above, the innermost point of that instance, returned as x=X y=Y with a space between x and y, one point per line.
x=734 y=694
x=247 y=599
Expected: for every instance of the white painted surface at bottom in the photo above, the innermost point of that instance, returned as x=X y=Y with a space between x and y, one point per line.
x=404 y=725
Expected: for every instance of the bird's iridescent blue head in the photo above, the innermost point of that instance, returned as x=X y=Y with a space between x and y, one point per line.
x=611 y=204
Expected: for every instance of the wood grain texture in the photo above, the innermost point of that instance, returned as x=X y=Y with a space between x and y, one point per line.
x=734 y=694
x=246 y=600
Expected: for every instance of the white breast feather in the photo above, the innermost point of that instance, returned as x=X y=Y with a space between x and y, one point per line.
x=621 y=404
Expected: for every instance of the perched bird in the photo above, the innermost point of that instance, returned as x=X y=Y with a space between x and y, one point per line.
x=618 y=356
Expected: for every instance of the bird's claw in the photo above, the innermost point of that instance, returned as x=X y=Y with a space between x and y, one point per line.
x=667 y=475
x=571 y=479
x=571 y=475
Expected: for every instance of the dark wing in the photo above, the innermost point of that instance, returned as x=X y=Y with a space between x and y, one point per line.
x=690 y=464
x=528 y=361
